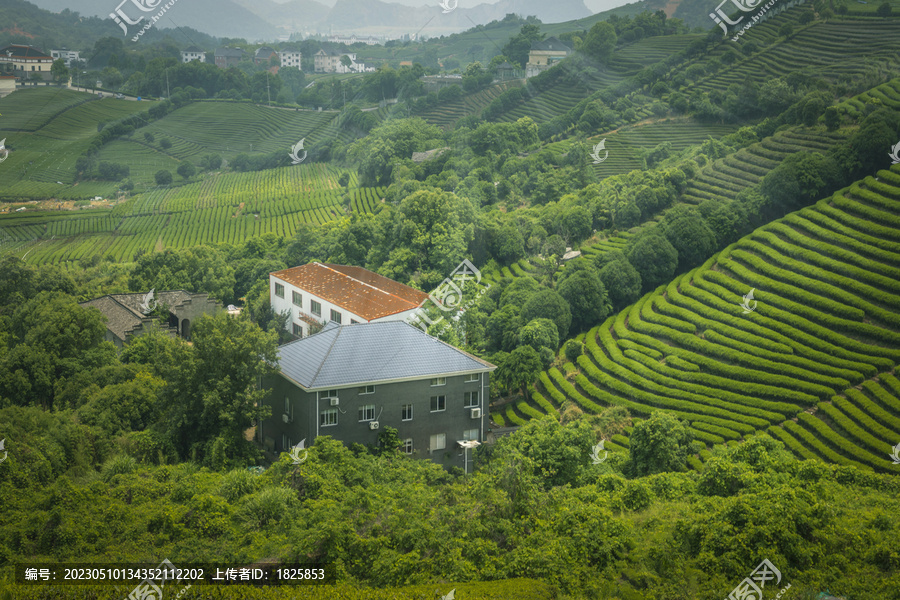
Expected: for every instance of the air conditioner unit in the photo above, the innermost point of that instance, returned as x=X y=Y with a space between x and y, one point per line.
x=333 y=401
x=373 y=424
x=286 y=418
x=476 y=413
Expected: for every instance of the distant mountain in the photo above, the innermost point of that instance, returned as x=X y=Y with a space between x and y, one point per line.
x=221 y=18
x=266 y=19
x=371 y=15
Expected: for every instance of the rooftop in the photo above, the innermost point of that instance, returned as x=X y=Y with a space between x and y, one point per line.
x=550 y=44
x=358 y=290
x=371 y=353
x=21 y=51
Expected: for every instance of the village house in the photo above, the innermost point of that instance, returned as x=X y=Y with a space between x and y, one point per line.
x=228 y=57
x=316 y=293
x=329 y=61
x=291 y=57
x=192 y=53
x=128 y=314
x=263 y=55
x=351 y=381
x=67 y=55
x=544 y=54
x=25 y=62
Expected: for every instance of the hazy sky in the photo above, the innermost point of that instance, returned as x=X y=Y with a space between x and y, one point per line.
x=593 y=5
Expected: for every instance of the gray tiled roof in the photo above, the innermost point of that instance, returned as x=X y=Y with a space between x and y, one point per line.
x=120 y=320
x=368 y=353
x=550 y=44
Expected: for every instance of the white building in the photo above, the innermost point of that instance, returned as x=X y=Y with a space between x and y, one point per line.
x=67 y=55
x=317 y=293
x=291 y=57
x=193 y=53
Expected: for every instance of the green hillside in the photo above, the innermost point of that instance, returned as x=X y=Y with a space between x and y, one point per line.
x=812 y=363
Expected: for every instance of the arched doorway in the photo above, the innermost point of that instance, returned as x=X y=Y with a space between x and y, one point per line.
x=186 y=329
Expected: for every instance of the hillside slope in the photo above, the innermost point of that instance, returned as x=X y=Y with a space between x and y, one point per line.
x=812 y=362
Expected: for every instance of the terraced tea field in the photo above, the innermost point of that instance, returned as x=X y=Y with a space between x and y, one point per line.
x=230 y=128
x=812 y=363
x=222 y=208
x=447 y=114
x=831 y=50
x=46 y=129
x=725 y=177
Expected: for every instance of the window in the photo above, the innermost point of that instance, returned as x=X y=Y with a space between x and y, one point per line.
x=470 y=434
x=335 y=316
x=367 y=412
x=367 y=389
x=407 y=446
x=438 y=381
x=406 y=412
x=471 y=399
x=284 y=442
x=438 y=403
x=287 y=405
x=438 y=442
x=328 y=417
x=298 y=331
x=315 y=307
x=471 y=377
x=354 y=322
x=297 y=298
x=279 y=290
x=328 y=394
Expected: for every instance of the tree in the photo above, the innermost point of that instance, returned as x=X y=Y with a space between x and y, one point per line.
x=215 y=395
x=600 y=42
x=884 y=10
x=540 y=333
x=621 y=280
x=806 y=17
x=659 y=444
x=59 y=71
x=345 y=61
x=165 y=143
x=344 y=180
x=551 y=305
x=692 y=239
x=587 y=299
x=573 y=349
x=655 y=260
x=163 y=177
x=518 y=46
x=519 y=369
x=787 y=30
x=187 y=169
x=507 y=244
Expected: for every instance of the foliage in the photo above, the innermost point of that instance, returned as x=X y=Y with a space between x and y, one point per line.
x=659 y=444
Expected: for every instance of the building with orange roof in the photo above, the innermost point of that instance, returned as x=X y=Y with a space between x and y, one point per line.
x=316 y=293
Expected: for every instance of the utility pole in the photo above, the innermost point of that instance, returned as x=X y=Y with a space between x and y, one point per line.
x=268 y=95
x=168 y=94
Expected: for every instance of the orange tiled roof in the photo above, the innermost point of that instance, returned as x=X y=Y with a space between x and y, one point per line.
x=358 y=290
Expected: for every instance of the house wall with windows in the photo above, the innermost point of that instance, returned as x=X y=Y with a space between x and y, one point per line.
x=308 y=307
x=430 y=416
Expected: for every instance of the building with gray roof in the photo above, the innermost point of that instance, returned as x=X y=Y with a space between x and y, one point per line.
x=352 y=381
